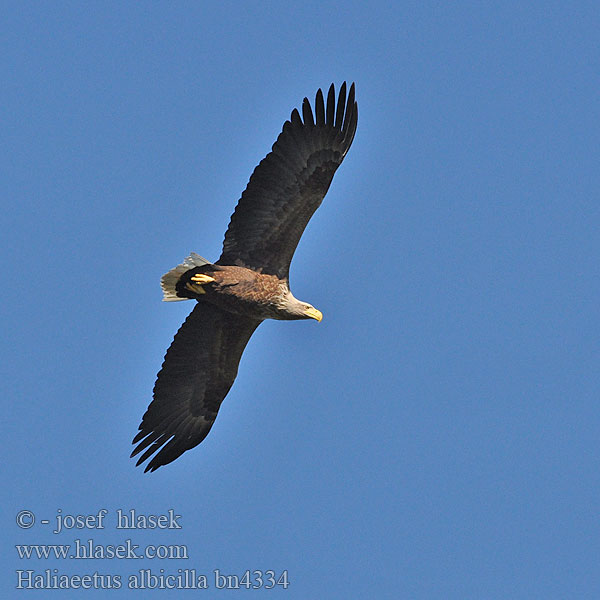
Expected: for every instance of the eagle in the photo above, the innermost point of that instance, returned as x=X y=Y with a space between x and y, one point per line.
x=250 y=281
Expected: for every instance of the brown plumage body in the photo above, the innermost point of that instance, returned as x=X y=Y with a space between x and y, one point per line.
x=239 y=290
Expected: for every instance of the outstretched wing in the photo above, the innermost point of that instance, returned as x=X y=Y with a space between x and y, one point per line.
x=289 y=184
x=198 y=371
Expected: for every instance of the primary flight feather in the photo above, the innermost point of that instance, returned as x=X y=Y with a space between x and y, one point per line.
x=250 y=281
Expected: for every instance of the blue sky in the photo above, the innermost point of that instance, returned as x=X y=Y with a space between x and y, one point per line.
x=436 y=436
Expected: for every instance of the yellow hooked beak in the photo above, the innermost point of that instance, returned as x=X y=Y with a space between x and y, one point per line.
x=313 y=313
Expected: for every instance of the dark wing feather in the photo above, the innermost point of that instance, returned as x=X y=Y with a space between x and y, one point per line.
x=198 y=371
x=289 y=185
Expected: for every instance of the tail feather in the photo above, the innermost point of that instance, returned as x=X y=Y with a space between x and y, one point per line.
x=168 y=281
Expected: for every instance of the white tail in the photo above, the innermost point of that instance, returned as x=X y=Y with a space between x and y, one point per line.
x=168 y=281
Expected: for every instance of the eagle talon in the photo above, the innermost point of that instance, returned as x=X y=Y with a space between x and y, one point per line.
x=201 y=278
x=195 y=289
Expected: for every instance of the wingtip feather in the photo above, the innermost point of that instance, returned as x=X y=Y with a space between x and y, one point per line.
x=329 y=119
x=307 y=112
x=320 y=108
